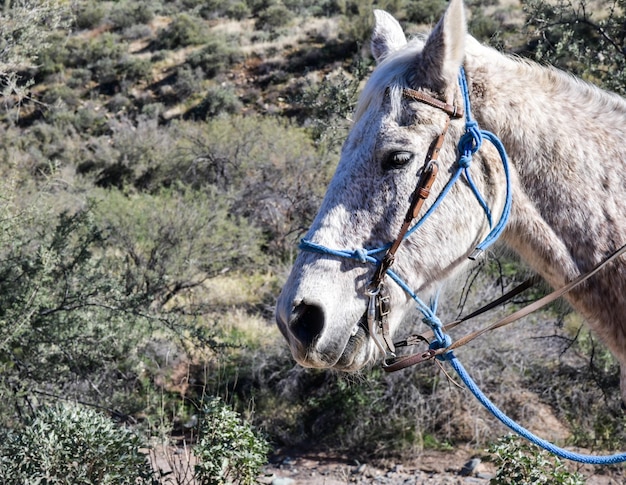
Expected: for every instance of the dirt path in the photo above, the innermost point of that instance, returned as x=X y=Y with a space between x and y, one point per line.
x=318 y=469
x=458 y=467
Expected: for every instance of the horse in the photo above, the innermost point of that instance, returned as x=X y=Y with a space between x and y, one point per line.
x=563 y=191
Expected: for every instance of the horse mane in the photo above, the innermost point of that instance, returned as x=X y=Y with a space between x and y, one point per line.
x=394 y=72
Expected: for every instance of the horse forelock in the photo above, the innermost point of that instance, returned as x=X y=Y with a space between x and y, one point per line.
x=389 y=78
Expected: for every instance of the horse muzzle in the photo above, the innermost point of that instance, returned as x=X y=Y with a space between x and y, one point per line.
x=314 y=342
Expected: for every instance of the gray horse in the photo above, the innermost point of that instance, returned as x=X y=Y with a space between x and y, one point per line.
x=566 y=141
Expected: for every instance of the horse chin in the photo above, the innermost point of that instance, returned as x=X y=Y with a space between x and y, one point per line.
x=358 y=353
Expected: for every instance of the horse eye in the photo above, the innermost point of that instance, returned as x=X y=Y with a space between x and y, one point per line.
x=397 y=160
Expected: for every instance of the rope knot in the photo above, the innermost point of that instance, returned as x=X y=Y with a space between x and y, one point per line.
x=360 y=254
x=465 y=161
x=443 y=341
x=472 y=139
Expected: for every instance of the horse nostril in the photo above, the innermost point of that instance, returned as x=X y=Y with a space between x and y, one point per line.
x=307 y=322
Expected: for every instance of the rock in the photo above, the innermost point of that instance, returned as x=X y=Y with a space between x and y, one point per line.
x=283 y=481
x=469 y=467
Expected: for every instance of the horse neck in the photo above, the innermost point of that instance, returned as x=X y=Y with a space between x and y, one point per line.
x=545 y=117
x=567 y=143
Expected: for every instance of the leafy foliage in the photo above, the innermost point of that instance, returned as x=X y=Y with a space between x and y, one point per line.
x=61 y=307
x=519 y=462
x=228 y=449
x=584 y=38
x=71 y=444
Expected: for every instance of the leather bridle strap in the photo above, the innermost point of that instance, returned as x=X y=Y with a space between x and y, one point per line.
x=426 y=180
x=422 y=191
x=378 y=305
x=451 y=110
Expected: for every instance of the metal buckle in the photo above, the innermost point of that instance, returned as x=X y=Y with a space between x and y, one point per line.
x=375 y=308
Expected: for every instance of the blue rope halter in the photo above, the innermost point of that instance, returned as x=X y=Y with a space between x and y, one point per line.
x=469 y=143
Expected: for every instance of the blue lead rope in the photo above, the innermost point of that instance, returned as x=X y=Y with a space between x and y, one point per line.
x=470 y=143
x=519 y=429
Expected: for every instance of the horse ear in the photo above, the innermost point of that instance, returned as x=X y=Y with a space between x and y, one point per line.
x=444 y=50
x=387 y=36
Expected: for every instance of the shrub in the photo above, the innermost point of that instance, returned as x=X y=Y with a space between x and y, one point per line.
x=217 y=54
x=184 y=31
x=264 y=164
x=228 y=449
x=520 y=462
x=273 y=17
x=238 y=10
x=127 y=13
x=188 y=82
x=218 y=100
x=173 y=240
x=133 y=69
x=425 y=11
x=28 y=27
x=62 y=309
x=89 y=14
x=213 y=8
x=585 y=39
x=68 y=443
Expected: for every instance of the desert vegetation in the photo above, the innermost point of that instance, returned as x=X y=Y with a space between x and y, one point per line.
x=159 y=161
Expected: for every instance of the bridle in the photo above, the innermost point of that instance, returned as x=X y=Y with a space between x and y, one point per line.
x=440 y=343
x=378 y=302
x=442 y=346
x=378 y=306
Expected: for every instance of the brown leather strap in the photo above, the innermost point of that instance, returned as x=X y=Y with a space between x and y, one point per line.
x=427 y=336
x=537 y=304
x=451 y=110
x=404 y=361
x=421 y=193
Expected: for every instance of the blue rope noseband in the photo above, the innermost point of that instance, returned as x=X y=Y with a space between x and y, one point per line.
x=469 y=143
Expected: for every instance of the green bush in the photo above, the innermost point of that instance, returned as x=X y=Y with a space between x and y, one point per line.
x=229 y=450
x=217 y=54
x=273 y=17
x=238 y=10
x=71 y=444
x=62 y=309
x=170 y=242
x=184 y=31
x=189 y=81
x=89 y=14
x=262 y=163
x=425 y=11
x=218 y=100
x=128 y=13
x=584 y=38
x=520 y=462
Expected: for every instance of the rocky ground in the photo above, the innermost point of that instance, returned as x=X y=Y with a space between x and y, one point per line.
x=432 y=468
x=458 y=467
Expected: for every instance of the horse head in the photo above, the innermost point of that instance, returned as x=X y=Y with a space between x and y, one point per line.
x=323 y=308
